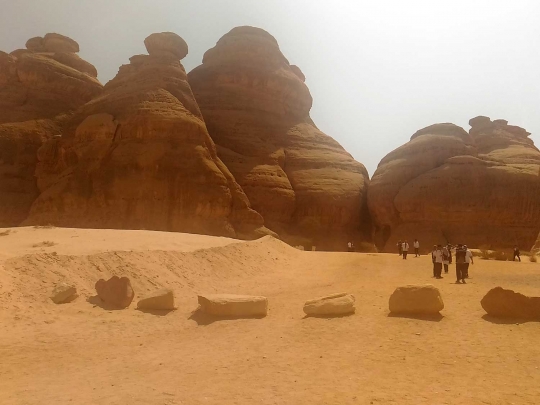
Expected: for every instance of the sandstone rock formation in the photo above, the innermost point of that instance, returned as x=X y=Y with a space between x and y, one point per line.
x=256 y=107
x=161 y=300
x=63 y=293
x=36 y=85
x=481 y=188
x=115 y=292
x=332 y=305
x=233 y=306
x=536 y=247
x=503 y=303
x=416 y=300
x=139 y=157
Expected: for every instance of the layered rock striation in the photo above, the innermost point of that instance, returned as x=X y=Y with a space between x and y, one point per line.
x=256 y=107
x=481 y=188
x=38 y=85
x=139 y=156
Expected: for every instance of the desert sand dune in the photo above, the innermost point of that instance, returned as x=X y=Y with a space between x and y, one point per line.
x=80 y=353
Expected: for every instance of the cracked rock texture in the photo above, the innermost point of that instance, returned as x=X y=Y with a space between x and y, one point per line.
x=480 y=188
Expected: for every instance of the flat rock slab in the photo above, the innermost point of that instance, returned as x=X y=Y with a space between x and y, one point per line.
x=416 y=300
x=116 y=292
x=331 y=305
x=233 y=306
x=64 y=293
x=161 y=300
x=503 y=303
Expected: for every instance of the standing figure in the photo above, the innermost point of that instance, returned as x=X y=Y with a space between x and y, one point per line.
x=460 y=264
x=416 y=248
x=516 y=254
x=438 y=261
x=400 y=248
x=433 y=254
x=446 y=258
x=405 y=250
x=468 y=261
x=350 y=247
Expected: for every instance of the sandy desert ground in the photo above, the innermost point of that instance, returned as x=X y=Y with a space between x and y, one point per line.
x=79 y=353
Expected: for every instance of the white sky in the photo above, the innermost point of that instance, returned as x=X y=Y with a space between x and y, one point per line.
x=378 y=70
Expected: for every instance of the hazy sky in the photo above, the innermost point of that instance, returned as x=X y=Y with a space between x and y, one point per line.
x=378 y=70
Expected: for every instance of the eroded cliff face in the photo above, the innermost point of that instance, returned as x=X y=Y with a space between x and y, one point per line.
x=256 y=107
x=481 y=188
x=37 y=85
x=139 y=157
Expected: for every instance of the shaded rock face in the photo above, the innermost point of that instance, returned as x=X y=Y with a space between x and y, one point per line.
x=503 y=303
x=36 y=85
x=115 y=292
x=256 y=107
x=139 y=157
x=481 y=188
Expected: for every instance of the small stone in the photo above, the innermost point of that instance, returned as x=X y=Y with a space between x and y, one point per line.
x=161 y=300
x=64 y=293
x=230 y=305
x=331 y=305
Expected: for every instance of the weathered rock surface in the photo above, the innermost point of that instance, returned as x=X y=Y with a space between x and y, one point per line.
x=63 y=293
x=233 y=306
x=161 y=300
x=139 y=157
x=35 y=86
x=256 y=107
x=503 y=303
x=536 y=248
x=447 y=185
x=115 y=292
x=332 y=305
x=166 y=43
x=416 y=300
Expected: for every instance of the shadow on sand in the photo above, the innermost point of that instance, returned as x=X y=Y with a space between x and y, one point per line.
x=429 y=318
x=156 y=312
x=203 y=319
x=97 y=302
x=507 y=321
x=328 y=316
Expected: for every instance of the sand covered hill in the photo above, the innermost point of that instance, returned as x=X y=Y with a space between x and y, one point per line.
x=83 y=354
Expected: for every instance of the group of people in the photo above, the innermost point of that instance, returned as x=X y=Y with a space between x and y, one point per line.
x=442 y=257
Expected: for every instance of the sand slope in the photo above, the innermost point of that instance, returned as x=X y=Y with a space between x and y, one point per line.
x=79 y=353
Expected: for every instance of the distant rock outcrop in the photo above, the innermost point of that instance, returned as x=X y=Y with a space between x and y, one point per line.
x=36 y=85
x=256 y=107
x=139 y=157
x=447 y=185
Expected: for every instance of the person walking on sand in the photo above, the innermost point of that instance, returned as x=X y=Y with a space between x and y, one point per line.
x=468 y=261
x=416 y=248
x=516 y=254
x=460 y=264
x=405 y=249
x=446 y=258
x=433 y=255
x=400 y=247
x=438 y=261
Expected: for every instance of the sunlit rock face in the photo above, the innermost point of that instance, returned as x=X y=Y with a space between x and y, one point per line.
x=481 y=188
x=139 y=156
x=38 y=87
x=256 y=107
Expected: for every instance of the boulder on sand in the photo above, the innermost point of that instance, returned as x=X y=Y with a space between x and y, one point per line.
x=233 y=306
x=503 y=303
x=416 y=300
x=331 y=305
x=63 y=293
x=116 y=291
x=161 y=300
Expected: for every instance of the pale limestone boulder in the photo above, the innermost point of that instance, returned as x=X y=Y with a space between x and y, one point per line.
x=503 y=303
x=234 y=306
x=331 y=305
x=416 y=300
x=64 y=293
x=161 y=300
